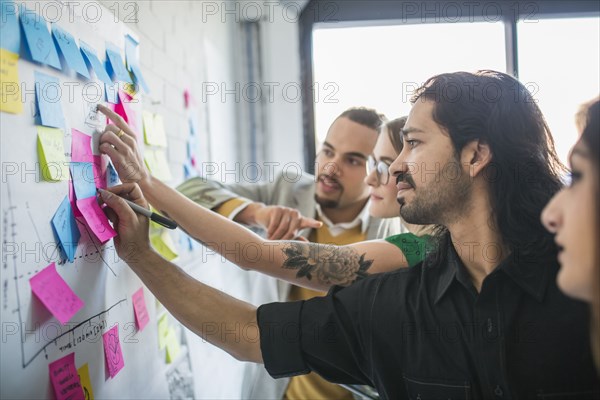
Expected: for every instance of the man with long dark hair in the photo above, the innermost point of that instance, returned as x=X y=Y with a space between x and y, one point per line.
x=481 y=318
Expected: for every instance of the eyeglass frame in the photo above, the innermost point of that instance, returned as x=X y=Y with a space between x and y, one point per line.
x=378 y=166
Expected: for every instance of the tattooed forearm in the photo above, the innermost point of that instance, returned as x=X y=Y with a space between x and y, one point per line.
x=329 y=265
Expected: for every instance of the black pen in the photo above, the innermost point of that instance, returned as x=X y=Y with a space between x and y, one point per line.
x=159 y=219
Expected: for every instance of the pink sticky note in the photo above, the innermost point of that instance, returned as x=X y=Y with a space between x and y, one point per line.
x=73 y=200
x=99 y=165
x=96 y=219
x=112 y=351
x=65 y=380
x=125 y=110
x=139 y=307
x=81 y=147
x=55 y=294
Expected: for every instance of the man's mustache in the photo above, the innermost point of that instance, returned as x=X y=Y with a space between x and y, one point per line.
x=404 y=177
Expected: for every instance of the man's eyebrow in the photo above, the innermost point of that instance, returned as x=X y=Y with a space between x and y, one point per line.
x=348 y=154
x=406 y=131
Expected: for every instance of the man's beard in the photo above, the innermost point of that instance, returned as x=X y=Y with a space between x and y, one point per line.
x=442 y=201
x=326 y=203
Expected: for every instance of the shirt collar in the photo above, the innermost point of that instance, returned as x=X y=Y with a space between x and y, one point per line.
x=530 y=275
x=361 y=219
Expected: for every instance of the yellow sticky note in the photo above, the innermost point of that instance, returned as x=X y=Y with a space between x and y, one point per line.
x=10 y=92
x=156 y=161
x=164 y=245
x=86 y=383
x=131 y=89
x=51 y=154
x=173 y=348
x=154 y=129
x=163 y=330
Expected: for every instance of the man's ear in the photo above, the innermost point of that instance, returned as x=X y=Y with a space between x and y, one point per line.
x=475 y=156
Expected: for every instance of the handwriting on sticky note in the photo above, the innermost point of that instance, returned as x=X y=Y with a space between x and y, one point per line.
x=84 y=183
x=86 y=383
x=112 y=351
x=81 y=147
x=139 y=308
x=70 y=51
x=38 y=38
x=66 y=229
x=10 y=91
x=100 y=163
x=96 y=219
x=55 y=294
x=48 y=95
x=65 y=380
x=172 y=343
x=51 y=154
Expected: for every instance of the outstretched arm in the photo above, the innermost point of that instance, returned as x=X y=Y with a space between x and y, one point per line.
x=203 y=309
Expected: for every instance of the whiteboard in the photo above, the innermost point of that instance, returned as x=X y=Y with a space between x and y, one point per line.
x=31 y=337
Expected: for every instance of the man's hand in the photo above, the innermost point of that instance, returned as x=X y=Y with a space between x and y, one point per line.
x=282 y=223
x=132 y=242
x=119 y=142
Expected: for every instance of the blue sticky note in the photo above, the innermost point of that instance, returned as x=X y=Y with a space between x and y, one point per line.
x=70 y=51
x=115 y=62
x=65 y=227
x=112 y=178
x=82 y=174
x=40 y=44
x=132 y=62
x=10 y=37
x=112 y=93
x=94 y=62
x=48 y=95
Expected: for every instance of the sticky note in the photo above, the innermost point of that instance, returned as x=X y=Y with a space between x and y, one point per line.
x=38 y=39
x=73 y=200
x=156 y=161
x=10 y=91
x=48 y=95
x=125 y=110
x=154 y=129
x=51 y=154
x=163 y=330
x=86 y=383
x=111 y=93
x=112 y=178
x=96 y=219
x=172 y=344
x=10 y=37
x=82 y=174
x=112 y=351
x=100 y=164
x=81 y=147
x=69 y=50
x=115 y=62
x=90 y=54
x=139 y=308
x=55 y=294
x=66 y=229
x=65 y=380
x=163 y=244
x=132 y=61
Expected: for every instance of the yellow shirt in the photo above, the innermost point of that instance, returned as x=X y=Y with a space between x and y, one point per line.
x=312 y=386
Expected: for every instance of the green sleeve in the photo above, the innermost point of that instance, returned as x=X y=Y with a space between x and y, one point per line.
x=414 y=247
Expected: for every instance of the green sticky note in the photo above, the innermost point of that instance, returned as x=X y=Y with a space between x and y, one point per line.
x=51 y=154
x=164 y=245
x=156 y=161
x=163 y=330
x=154 y=129
x=173 y=348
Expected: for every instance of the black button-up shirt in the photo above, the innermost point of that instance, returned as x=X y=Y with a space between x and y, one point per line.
x=425 y=333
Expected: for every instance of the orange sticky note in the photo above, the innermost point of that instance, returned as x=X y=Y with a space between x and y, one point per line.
x=55 y=294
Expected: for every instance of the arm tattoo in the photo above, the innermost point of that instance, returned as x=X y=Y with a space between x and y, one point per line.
x=330 y=265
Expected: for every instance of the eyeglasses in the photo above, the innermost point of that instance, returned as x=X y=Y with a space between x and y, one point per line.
x=381 y=168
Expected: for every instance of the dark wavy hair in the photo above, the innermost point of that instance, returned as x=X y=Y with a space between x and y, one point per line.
x=525 y=171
